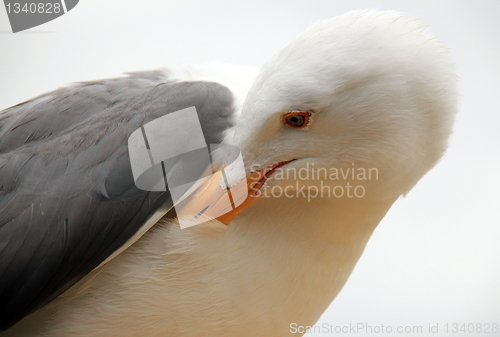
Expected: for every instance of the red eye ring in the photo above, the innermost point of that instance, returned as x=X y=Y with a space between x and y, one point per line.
x=296 y=119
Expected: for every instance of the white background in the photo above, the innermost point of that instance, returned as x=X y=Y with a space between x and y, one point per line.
x=435 y=258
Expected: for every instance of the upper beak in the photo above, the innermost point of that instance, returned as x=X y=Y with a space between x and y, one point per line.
x=214 y=200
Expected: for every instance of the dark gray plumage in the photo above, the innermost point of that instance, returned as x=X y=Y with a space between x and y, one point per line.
x=67 y=195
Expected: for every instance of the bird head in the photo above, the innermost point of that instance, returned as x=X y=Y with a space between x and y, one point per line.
x=366 y=100
x=366 y=90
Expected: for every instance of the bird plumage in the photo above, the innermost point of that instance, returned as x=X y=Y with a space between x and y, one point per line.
x=382 y=94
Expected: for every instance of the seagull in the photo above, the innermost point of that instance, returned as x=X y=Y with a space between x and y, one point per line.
x=333 y=129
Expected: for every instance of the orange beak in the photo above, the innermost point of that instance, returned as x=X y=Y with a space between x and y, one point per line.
x=212 y=201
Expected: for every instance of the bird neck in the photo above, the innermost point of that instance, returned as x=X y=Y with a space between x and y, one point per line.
x=322 y=222
x=305 y=250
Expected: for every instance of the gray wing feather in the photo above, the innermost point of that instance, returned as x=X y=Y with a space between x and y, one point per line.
x=67 y=194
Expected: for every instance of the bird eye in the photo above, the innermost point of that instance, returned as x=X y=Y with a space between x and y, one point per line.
x=296 y=119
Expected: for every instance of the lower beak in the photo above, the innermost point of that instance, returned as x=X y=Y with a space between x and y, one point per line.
x=212 y=201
